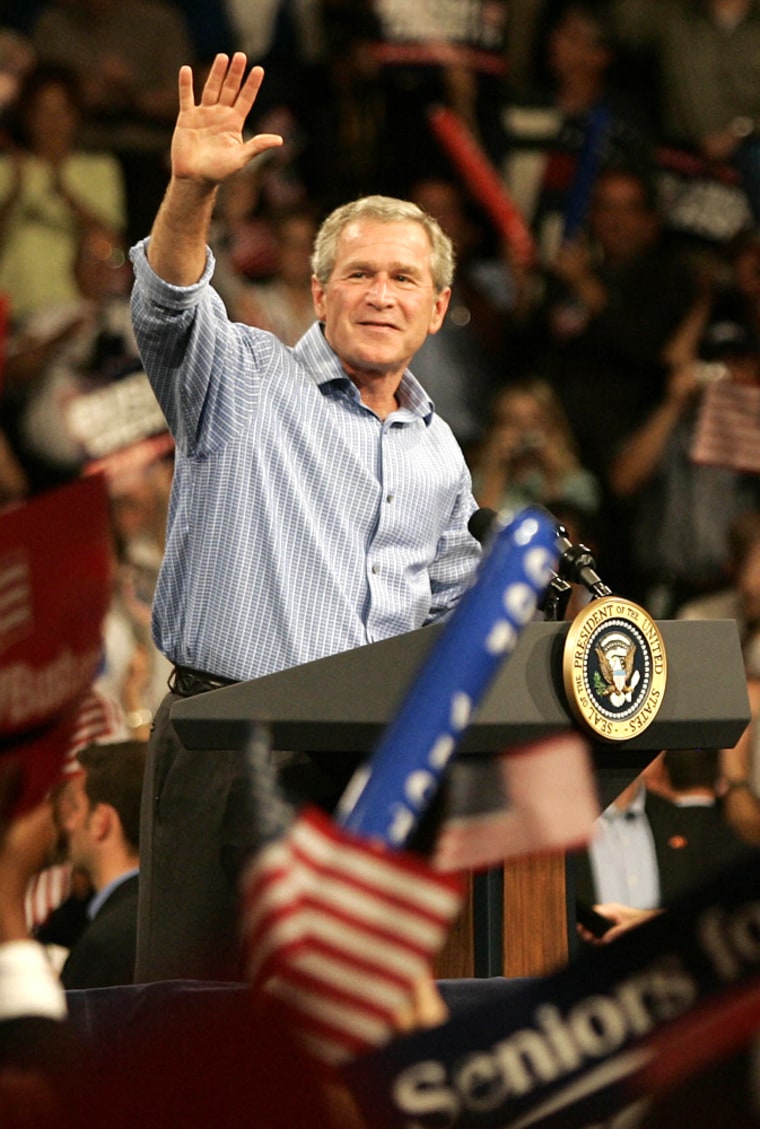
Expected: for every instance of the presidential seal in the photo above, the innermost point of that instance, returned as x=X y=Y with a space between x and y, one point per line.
x=614 y=668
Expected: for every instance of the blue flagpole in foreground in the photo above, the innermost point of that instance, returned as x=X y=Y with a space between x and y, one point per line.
x=387 y=796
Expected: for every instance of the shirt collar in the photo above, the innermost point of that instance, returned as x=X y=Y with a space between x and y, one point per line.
x=98 y=900
x=634 y=809
x=322 y=363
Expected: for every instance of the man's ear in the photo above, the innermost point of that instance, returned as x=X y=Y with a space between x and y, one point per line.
x=440 y=306
x=102 y=819
x=318 y=297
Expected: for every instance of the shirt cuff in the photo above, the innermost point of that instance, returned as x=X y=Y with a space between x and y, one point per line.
x=28 y=985
x=162 y=292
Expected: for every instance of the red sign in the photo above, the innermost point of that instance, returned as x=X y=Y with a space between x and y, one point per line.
x=55 y=567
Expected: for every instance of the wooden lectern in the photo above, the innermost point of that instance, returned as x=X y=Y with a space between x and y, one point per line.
x=342 y=703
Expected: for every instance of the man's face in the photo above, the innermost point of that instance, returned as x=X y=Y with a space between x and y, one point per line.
x=621 y=220
x=74 y=818
x=576 y=46
x=379 y=303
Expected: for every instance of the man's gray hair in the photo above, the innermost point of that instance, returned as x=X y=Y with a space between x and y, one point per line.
x=386 y=209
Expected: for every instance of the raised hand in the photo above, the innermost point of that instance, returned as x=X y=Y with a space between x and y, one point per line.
x=208 y=143
x=26 y=845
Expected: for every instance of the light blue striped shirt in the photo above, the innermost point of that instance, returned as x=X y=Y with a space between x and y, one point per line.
x=299 y=523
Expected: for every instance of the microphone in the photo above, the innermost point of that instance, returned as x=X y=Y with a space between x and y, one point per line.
x=576 y=562
x=481 y=523
x=578 y=565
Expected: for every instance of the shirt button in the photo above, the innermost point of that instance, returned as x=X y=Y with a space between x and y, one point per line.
x=389 y=497
x=374 y=568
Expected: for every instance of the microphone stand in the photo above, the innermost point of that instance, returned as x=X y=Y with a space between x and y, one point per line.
x=554 y=603
x=576 y=563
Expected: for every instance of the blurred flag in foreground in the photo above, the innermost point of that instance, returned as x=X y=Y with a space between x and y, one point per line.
x=345 y=927
x=529 y=799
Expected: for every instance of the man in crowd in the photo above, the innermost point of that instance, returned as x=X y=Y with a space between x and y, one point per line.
x=100 y=817
x=318 y=504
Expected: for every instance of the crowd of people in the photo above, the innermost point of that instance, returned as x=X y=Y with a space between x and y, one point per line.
x=579 y=377
x=642 y=224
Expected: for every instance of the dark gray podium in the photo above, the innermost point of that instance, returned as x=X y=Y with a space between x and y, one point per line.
x=342 y=703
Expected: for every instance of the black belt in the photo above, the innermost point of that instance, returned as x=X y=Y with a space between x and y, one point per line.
x=186 y=682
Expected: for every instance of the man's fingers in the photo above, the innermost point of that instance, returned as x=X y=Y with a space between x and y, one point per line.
x=225 y=85
x=214 y=81
x=186 y=95
x=249 y=90
x=260 y=143
x=231 y=87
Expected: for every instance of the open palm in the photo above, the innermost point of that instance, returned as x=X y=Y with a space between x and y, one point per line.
x=208 y=142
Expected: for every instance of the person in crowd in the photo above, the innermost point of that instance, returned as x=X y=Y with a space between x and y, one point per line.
x=99 y=813
x=548 y=128
x=126 y=58
x=740 y=598
x=707 y=62
x=36 y=1049
x=616 y=293
x=242 y=237
x=283 y=304
x=58 y=895
x=529 y=455
x=682 y=511
x=735 y=292
x=134 y=672
x=655 y=843
x=391 y=63
x=66 y=350
x=739 y=786
x=461 y=365
x=614 y=296
x=50 y=190
x=621 y=863
x=696 y=839
x=249 y=1054
x=334 y=438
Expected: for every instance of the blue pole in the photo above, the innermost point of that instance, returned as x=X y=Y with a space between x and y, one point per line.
x=387 y=796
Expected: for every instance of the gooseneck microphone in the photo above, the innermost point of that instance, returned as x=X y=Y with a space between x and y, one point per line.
x=576 y=563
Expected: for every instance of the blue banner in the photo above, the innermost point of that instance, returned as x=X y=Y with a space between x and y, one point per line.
x=570 y=1050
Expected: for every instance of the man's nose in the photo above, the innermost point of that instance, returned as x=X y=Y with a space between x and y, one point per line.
x=380 y=291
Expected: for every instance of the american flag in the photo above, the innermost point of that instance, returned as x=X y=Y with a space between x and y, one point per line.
x=340 y=930
x=727 y=432
x=530 y=799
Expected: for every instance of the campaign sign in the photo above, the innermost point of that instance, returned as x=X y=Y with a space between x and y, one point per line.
x=54 y=592
x=566 y=1050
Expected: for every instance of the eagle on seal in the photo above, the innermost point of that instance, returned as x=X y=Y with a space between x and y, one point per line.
x=617 y=670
